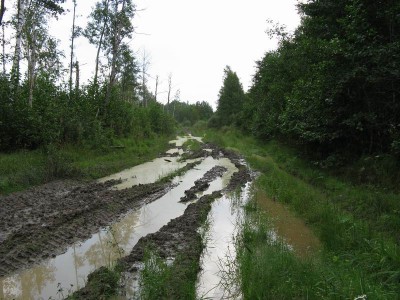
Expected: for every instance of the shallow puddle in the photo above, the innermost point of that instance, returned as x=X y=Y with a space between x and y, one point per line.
x=151 y=171
x=180 y=140
x=57 y=277
x=217 y=262
x=175 y=150
x=146 y=173
x=300 y=238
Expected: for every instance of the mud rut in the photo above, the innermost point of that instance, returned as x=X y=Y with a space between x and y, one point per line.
x=43 y=221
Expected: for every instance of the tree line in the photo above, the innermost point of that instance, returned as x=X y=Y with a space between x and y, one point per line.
x=331 y=87
x=43 y=102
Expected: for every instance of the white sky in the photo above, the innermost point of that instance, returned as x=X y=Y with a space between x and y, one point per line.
x=193 y=40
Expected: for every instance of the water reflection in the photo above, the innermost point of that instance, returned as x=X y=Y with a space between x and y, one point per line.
x=146 y=173
x=104 y=247
x=28 y=285
x=217 y=262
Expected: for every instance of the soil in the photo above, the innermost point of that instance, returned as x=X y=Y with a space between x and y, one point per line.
x=203 y=183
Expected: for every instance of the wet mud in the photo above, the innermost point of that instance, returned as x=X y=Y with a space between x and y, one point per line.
x=203 y=183
x=178 y=241
x=41 y=222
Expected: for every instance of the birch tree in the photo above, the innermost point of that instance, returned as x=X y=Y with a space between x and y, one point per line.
x=15 y=70
x=73 y=35
x=120 y=29
x=95 y=31
x=2 y=11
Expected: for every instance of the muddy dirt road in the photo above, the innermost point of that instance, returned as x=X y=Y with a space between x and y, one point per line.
x=40 y=226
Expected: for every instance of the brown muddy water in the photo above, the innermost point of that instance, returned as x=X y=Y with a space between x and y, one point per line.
x=216 y=280
x=132 y=290
x=288 y=227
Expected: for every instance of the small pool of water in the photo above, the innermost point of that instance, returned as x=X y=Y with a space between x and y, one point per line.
x=217 y=261
x=146 y=173
x=287 y=226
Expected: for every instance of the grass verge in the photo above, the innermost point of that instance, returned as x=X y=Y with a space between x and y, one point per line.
x=359 y=227
x=160 y=280
x=23 y=169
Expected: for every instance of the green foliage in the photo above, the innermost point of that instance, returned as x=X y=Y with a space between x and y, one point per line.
x=358 y=225
x=230 y=102
x=169 y=280
x=101 y=284
x=54 y=118
x=269 y=270
x=188 y=114
x=332 y=86
x=154 y=277
x=42 y=109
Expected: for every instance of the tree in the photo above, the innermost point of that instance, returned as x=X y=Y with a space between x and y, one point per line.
x=119 y=29
x=231 y=97
x=144 y=68
x=169 y=89
x=15 y=70
x=95 y=31
x=73 y=36
x=334 y=84
x=129 y=76
x=109 y=24
x=2 y=11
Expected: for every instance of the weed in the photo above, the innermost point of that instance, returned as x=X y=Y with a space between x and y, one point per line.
x=175 y=279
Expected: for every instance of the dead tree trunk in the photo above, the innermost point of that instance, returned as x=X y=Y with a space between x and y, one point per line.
x=77 y=77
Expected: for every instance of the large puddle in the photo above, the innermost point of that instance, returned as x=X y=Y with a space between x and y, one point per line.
x=59 y=276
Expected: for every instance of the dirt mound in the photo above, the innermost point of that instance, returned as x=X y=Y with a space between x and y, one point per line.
x=203 y=183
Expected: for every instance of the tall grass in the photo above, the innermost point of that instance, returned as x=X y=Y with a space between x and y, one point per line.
x=358 y=225
x=174 y=280
x=269 y=270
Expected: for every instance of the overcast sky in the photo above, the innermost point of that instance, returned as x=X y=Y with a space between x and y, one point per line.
x=192 y=40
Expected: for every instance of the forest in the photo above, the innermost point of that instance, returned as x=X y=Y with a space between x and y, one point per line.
x=332 y=86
